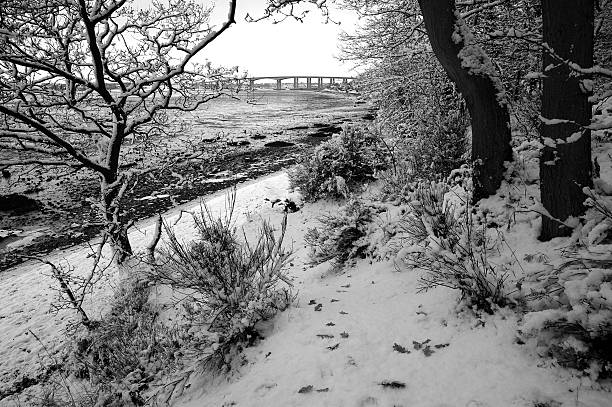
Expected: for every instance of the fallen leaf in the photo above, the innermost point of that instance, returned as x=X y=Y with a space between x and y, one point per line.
x=399 y=348
x=330 y=324
x=312 y=302
x=428 y=351
x=325 y=336
x=441 y=345
x=343 y=313
x=319 y=307
x=334 y=300
x=394 y=384
x=419 y=345
x=305 y=389
x=345 y=286
x=344 y=334
x=325 y=390
x=334 y=347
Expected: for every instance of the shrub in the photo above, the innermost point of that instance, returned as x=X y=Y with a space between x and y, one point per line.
x=428 y=152
x=571 y=306
x=572 y=317
x=125 y=351
x=450 y=248
x=341 y=236
x=232 y=284
x=339 y=165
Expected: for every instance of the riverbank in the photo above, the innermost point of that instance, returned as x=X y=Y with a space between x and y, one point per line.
x=224 y=152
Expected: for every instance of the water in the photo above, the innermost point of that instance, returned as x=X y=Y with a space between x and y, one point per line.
x=267 y=110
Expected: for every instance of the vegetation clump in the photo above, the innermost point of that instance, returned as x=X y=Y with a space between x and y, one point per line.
x=341 y=237
x=339 y=165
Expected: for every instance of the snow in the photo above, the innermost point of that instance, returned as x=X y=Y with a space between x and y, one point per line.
x=28 y=290
x=477 y=361
x=450 y=355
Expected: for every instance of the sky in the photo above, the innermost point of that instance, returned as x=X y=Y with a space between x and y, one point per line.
x=287 y=48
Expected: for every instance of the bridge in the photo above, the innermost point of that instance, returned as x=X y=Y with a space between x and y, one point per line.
x=312 y=81
x=320 y=80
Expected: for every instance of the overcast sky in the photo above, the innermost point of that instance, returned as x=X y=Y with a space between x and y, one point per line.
x=286 y=48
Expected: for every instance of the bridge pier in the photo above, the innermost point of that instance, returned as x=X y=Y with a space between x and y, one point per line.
x=278 y=84
x=320 y=83
x=332 y=81
x=296 y=83
x=344 y=81
x=251 y=84
x=308 y=83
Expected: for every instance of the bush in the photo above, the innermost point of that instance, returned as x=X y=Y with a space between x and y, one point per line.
x=341 y=236
x=571 y=306
x=451 y=248
x=572 y=317
x=339 y=165
x=233 y=284
x=428 y=152
x=127 y=349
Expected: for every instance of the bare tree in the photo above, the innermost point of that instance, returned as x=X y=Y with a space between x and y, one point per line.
x=80 y=77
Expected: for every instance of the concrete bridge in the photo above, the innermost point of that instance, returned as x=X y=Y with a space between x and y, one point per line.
x=310 y=80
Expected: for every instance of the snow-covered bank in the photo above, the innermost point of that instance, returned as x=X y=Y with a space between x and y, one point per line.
x=361 y=337
x=348 y=334
x=28 y=290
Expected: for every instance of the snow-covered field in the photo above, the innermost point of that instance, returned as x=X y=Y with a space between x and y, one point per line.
x=360 y=337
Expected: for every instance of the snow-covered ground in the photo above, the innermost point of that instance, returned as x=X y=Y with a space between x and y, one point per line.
x=361 y=337
x=372 y=328
x=30 y=334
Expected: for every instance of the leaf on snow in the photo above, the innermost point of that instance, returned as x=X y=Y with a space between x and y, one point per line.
x=305 y=389
x=330 y=324
x=399 y=348
x=319 y=307
x=428 y=351
x=394 y=384
x=344 y=334
x=325 y=336
x=333 y=347
x=325 y=390
x=419 y=345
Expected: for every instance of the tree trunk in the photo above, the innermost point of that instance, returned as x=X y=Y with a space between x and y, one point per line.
x=490 y=118
x=566 y=168
x=116 y=227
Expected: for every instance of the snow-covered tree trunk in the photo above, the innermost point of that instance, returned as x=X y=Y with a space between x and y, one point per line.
x=489 y=114
x=565 y=164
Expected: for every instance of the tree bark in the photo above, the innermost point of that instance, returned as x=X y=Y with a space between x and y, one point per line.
x=116 y=226
x=565 y=169
x=490 y=118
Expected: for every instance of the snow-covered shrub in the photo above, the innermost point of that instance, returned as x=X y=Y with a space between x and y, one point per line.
x=341 y=237
x=451 y=248
x=572 y=314
x=339 y=165
x=126 y=349
x=233 y=284
x=429 y=152
x=598 y=226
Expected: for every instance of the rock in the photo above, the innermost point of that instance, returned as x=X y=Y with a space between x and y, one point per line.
x=258 y=136
x=277 y=144
x=368 y=116
x=18 y=204
x=236 y=143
